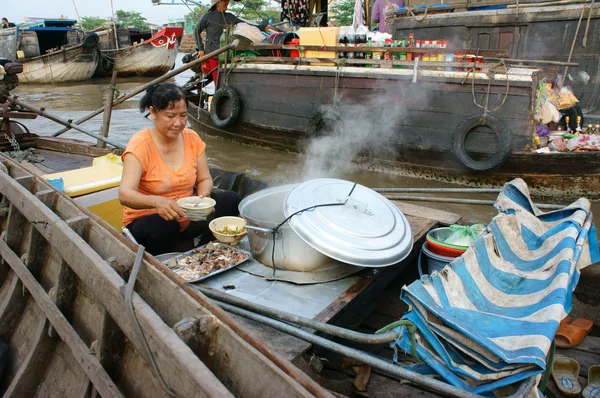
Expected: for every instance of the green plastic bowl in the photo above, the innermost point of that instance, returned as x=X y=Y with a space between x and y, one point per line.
x=438 y=236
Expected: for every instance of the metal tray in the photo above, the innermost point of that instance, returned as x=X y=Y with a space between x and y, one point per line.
x=168 y=256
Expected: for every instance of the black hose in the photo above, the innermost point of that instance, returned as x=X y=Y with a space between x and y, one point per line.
x=279 y=38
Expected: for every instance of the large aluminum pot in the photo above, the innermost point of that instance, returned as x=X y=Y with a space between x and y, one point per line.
x=264 y=210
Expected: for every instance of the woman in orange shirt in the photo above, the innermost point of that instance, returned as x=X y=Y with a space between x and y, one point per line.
x=161 y=165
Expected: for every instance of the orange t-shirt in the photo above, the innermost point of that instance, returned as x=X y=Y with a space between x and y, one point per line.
x=160 y=179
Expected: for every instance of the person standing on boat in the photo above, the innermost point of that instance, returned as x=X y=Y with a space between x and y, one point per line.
x=6 y=24
x=378 y=12
x=162 y=164
x=214 y=22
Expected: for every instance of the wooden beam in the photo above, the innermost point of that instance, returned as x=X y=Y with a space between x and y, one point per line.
x=181 y=368
x=90 y=364
x=65 y=288
x=14 y=301
x=28 y=377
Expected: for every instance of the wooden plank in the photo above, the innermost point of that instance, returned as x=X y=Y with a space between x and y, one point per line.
x=180 y=367
x=70 y=146
x=441 y=216
x=383 y=387
x=65 y=288
x=90 y=365
x=14 y=300
x=26 y=380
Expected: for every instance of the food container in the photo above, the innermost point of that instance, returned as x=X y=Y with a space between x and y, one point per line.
x=437 y=238
x=327 y=219
x=263 y=211
x=218 y=224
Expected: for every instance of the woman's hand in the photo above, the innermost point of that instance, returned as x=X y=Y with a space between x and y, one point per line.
x=200 y=54
x=168 y=209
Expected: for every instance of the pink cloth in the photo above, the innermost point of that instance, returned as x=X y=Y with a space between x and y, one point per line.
x=377 y=14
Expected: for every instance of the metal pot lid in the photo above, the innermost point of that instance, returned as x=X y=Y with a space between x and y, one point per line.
x=368 y=230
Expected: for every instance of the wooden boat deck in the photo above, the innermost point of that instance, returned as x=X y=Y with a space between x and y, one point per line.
x=369 y=304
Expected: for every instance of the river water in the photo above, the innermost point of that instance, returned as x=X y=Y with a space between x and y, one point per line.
x=78 y=100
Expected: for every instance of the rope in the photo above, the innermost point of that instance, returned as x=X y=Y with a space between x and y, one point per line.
x=129 y=302
x=411 y=328
x=274 y=232
x=574 y=40
x=409 y=9
x=340 y=63
x=587 y=25
x=487 y=95
x=117 y=93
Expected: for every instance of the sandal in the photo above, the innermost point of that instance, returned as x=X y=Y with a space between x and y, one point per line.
x=570 y=334
x=565 y=372
x=593 y=388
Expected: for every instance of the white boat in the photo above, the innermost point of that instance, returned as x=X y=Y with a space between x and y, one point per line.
x=51 y=51
x=138 y=55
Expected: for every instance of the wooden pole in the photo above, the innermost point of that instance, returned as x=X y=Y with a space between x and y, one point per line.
x=112 y=9
x=54 y=118
x=138 y=90
x=77 y=12
x=108 y=110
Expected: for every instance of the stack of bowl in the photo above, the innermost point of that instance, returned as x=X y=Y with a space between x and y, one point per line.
x=197 y=208
x=436 y=239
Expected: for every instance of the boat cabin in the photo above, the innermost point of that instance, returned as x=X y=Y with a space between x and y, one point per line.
x=40 y=37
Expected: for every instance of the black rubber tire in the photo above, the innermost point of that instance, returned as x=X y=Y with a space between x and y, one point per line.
x=504 y=143
x=222 y=94
x=107 y=64
x=91 y=40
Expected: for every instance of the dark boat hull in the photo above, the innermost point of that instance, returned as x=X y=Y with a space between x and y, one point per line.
x=532 y=33
x=284 y=109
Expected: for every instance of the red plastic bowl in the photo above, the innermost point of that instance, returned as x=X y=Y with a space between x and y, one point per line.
x=444 y=251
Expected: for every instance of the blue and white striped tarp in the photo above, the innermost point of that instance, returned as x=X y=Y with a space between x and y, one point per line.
x=488 y=319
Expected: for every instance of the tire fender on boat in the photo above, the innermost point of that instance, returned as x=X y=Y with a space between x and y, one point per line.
x=91 y=40
x=221 y=95
x=107 y=63
x=503 y=148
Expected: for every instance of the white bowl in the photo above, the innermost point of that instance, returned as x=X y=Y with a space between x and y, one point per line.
x=197 y=207
x=232 y=222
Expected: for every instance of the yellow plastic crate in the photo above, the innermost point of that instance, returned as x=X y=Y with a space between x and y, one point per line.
x=321 y=36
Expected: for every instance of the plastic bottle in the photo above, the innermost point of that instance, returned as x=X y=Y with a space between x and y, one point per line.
x=351 y=37
x=402 y=56
x=369 y=55
x=342 y=41
x=449 y=57
x=411 y=40
x=361 y=40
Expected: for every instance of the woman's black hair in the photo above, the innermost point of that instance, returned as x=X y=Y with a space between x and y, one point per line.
x=161 y=96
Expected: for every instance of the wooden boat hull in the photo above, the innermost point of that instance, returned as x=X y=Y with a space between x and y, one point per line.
x=71 y=65
x=154 y=57
x=65 y=320
x=406 y=128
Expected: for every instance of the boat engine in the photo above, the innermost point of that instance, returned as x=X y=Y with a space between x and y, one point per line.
x=8 y=77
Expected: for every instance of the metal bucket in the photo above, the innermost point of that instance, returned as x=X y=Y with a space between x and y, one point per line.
x=435 y=262
x=263 y=211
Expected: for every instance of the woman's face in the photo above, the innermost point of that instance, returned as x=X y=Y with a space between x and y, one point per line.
x=170 y=121
x=222 y=5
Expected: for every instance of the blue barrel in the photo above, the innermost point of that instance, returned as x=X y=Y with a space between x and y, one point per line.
x=435 y=262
